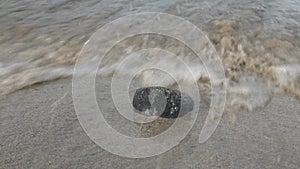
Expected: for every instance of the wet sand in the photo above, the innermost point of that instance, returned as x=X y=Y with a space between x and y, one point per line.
x=40 y=129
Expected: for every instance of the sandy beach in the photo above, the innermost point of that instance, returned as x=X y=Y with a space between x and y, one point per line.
x=40 y=129
x=244 y=56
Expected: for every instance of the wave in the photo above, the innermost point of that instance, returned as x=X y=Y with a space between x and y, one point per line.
x=259 y=58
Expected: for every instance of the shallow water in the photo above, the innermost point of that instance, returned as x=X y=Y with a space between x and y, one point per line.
x=258 y=43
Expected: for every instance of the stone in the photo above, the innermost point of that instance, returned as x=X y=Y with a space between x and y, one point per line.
x=161 y=101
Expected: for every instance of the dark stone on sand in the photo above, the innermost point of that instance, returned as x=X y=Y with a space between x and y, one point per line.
x=161 y=101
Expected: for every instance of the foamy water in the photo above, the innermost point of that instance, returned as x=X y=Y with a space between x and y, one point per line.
x=258 y=43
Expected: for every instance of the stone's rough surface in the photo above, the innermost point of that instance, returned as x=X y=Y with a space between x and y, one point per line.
x=161 y=101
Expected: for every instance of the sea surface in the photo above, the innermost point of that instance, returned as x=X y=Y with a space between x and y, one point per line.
x=258 y=43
